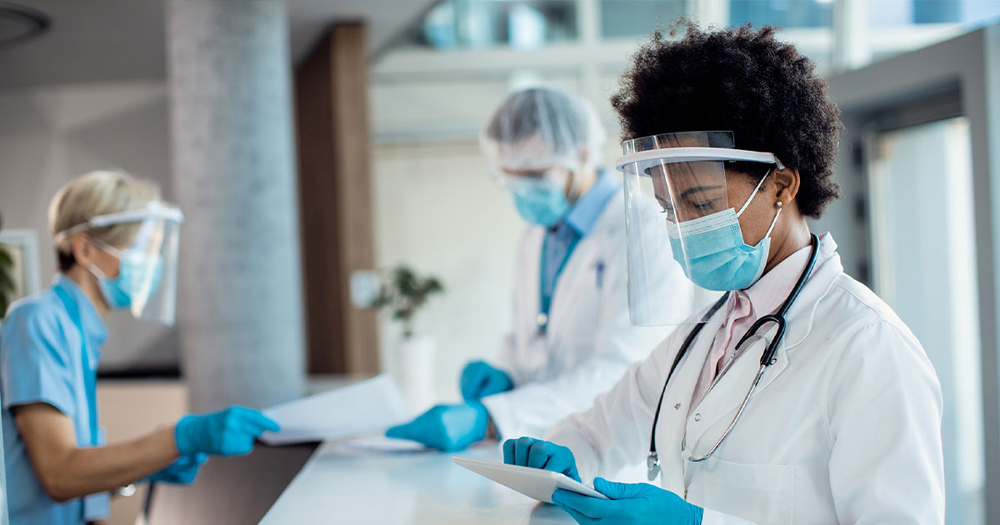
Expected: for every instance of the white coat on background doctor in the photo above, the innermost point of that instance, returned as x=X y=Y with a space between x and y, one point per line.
x=799 y=396
x=571 y=337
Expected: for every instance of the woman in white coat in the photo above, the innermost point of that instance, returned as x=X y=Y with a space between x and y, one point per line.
x=799 y=397
x=571 y=337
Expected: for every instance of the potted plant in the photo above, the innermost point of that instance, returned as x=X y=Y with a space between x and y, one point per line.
x=403 y=293
x=6 y=278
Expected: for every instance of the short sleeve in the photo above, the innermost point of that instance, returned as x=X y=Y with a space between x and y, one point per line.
x=35 y=365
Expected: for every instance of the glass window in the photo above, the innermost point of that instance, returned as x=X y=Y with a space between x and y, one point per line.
x=908 y=12
x=920 y=181
x=891 y=27
x=786 y=14
x=630 y=18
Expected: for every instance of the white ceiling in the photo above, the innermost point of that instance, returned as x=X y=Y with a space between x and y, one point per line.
x=106 y=40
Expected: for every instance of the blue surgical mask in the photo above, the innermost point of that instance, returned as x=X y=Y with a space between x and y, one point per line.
x=544 y=205
x=139 y=275
x=713 y=254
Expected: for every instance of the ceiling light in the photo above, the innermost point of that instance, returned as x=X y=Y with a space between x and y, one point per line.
x=19 y=23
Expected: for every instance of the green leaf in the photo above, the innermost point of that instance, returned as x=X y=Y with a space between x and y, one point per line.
x=6 y=278
x=6 y=283
x=404 y=292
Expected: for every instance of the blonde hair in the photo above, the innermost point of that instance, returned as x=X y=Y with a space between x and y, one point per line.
x=94 y=194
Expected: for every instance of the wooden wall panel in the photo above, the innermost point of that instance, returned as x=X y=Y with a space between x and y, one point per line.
x=334 y=143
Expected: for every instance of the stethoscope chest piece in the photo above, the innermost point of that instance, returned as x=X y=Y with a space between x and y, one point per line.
x=652 y=466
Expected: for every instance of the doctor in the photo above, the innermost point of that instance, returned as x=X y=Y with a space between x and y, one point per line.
x=571 y=337
x=117 y=249
x=798 y=397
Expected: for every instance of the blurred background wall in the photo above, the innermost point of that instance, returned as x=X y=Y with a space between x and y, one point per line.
x=403 y=93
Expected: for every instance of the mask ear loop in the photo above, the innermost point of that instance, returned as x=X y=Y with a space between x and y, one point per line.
x=753 y=193
x=775 y=221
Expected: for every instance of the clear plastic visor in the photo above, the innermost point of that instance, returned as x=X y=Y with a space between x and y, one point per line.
x=148 y=264
x=672 y=179
x=154 y=263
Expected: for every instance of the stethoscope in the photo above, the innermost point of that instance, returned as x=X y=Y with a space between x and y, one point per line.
x=767 y=359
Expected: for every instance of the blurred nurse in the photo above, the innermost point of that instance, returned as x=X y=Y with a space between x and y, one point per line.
x=117 y=248
x=571 y=336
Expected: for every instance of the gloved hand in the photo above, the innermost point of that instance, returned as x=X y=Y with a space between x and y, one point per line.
x=631 y=504
x=479 y=380
x=448 y=428
x=535 y=453
x=182 y=471
x=229 y=432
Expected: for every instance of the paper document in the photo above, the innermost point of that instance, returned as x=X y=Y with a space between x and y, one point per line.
x=363 y=408
x=383 y=445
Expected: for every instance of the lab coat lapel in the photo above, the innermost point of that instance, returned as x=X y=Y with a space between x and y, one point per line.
x=676 y=400
x=530 y=279
x=801 y=313
x=530 y=348
x=571 y=286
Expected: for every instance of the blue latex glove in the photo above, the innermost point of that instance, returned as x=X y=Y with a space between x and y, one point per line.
x=182 y=471
x=448 y=428
x=229 y=432
x=479 y=380
x=631 y=504
x=535 y=453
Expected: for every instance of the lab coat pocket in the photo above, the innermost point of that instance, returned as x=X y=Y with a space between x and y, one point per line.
x=759 y=493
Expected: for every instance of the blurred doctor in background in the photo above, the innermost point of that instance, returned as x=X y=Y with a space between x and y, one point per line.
x=571 y=337
x=117 y=249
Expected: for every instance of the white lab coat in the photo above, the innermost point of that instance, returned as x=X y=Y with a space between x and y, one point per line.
x=589 y=342
x=845 y=427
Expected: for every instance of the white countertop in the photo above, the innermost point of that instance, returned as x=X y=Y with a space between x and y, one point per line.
x=338 y=485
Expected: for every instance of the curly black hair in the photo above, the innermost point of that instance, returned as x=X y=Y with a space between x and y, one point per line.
x=741 y=80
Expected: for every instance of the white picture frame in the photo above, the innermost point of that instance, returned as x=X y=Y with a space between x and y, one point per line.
x=23 y=248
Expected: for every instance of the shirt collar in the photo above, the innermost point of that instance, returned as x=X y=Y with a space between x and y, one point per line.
x=767 y=294
x=590 y=205
x=91 y=322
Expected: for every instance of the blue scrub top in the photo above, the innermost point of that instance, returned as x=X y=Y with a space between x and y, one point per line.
x=42 y=361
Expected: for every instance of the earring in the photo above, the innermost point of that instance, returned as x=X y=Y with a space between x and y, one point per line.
x=778 y=204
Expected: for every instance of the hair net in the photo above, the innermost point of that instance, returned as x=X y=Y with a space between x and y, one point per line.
x=543 y=127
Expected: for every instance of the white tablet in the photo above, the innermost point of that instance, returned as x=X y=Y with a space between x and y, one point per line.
x=532 y=482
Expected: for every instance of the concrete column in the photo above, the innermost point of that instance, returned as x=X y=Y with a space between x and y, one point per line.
x=240 y=297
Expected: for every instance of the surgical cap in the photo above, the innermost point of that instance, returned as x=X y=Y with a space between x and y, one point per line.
x=542 y=127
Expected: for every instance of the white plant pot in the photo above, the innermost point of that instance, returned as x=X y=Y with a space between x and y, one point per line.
x=416 y=371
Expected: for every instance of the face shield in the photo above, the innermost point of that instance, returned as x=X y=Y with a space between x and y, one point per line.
x=683 y=177
x=147 y=273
